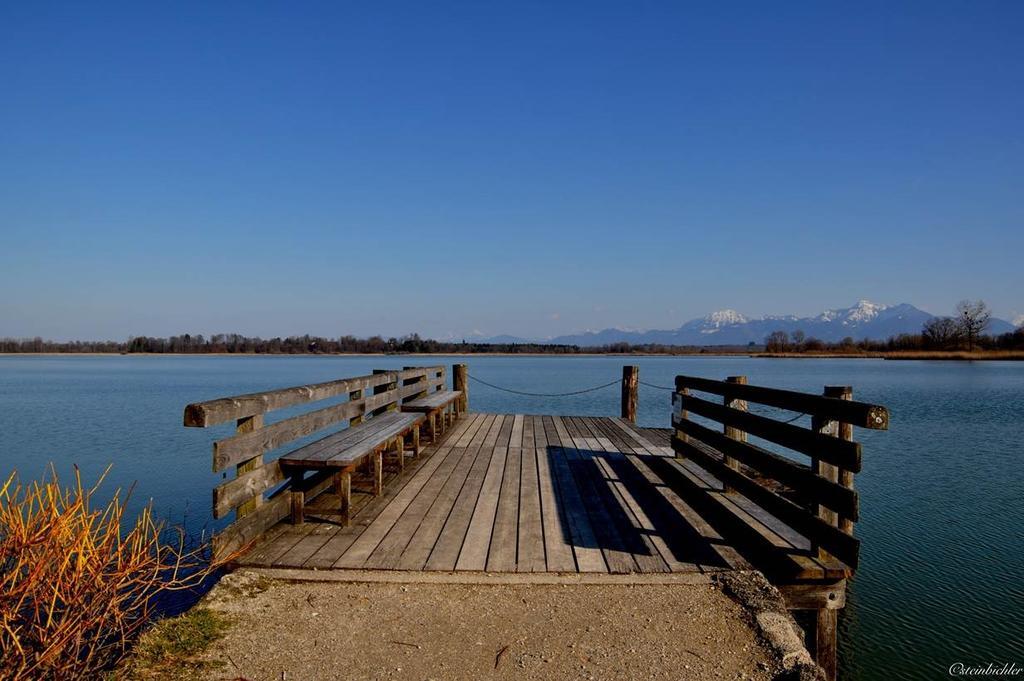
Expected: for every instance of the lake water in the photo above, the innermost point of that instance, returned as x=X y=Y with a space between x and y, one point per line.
x=942 y=572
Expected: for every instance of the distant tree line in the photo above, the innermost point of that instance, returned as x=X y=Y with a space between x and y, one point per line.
x=233 y=343
x=964 y=330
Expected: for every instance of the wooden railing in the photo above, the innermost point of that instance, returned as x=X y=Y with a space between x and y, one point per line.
x=817 y=499
x=256 y=493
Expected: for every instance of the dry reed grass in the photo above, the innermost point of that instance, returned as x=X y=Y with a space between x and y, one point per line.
x=77 y=587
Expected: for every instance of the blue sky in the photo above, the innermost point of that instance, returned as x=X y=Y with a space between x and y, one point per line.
x=528 y=168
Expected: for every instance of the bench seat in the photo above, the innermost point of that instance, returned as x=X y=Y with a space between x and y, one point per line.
x=343 y=451
x=437 y=407
x=432 y=402
x=346 y=448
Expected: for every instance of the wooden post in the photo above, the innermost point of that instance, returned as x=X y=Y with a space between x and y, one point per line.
x=352 y=397
x=630 y=382
x=825 y=641
x=298 y=498
x=416 y=379
x=378 y=472
x=345 y=492
x=460 y=381
x=378 y=389
x=247 y=425
x=683 y=414
x=845 y=432
x=828 y=471
x=730 y=431
x=298 y=508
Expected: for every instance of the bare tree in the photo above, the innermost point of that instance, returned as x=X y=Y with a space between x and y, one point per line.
x=972 y=318
x=777 y=341
x=941 y=332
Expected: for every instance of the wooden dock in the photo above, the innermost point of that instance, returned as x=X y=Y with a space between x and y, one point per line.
x=514 y=493
x=509 y=493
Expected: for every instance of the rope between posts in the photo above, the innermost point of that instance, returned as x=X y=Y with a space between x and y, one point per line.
x=659 y=387
x=520 y=392
x=594 y=389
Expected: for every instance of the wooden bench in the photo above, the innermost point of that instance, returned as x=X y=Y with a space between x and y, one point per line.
x=370 y=407
x=794 y=521
x=345 y=450
x=799 y=516
x=439 y=405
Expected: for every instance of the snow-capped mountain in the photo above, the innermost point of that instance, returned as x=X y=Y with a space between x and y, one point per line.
x=864 y=319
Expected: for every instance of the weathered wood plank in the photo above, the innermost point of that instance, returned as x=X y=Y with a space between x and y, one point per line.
x=388 y=554
x=447 y=549
x=840 y=544
x=634 y=525
x=786 y=471
x=585 y=545
x=247 y=445
x=768 y=551
x=857 y=413
x=423 y=540
x=598 y=502
x=696 y=540
x=344 y=448
x=234 y=493
x=380 y=514
x=835 y=451
x=203 y=414
x=501 y=556
x=248 y=529
x=432 y=401
x=372 y=537
x=530 y=556
x=558 y=556
x=473 y=555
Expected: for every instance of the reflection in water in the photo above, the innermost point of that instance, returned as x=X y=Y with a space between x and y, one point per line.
x=942 y=565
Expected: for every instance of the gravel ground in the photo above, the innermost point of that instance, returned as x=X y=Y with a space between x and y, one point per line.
x=311 y=630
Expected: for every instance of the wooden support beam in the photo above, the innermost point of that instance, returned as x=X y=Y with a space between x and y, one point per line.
x=393 y=385
x=732 y=432
x=844 y=392
x=824 y=426
x=245 y=425
x=344 y=491
x=460 y=381
x=378 y=472
x=825 y=641
x=298 y=508
x=355 y=396
x=630 y=383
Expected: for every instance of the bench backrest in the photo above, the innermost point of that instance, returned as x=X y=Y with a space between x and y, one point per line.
x=256 y=493
x=817 y=500
x=425 y=380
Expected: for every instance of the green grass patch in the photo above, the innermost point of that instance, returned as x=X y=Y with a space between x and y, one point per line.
x=170 y=650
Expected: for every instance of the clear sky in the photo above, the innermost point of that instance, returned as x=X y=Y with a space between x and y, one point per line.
x=533 y=168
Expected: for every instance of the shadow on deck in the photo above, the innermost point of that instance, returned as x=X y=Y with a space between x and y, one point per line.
x=515 y=493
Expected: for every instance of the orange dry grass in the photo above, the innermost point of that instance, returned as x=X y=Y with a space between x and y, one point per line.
x=75 y=589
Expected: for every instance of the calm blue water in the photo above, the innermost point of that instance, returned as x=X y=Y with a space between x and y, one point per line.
x=941 y=492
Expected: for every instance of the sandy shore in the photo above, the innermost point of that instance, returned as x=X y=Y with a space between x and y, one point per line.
x=436 y=630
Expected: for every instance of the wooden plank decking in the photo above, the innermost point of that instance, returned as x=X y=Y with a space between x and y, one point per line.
x=515 y=493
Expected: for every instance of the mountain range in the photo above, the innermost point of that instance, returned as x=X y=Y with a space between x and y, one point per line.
x=864 y=320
